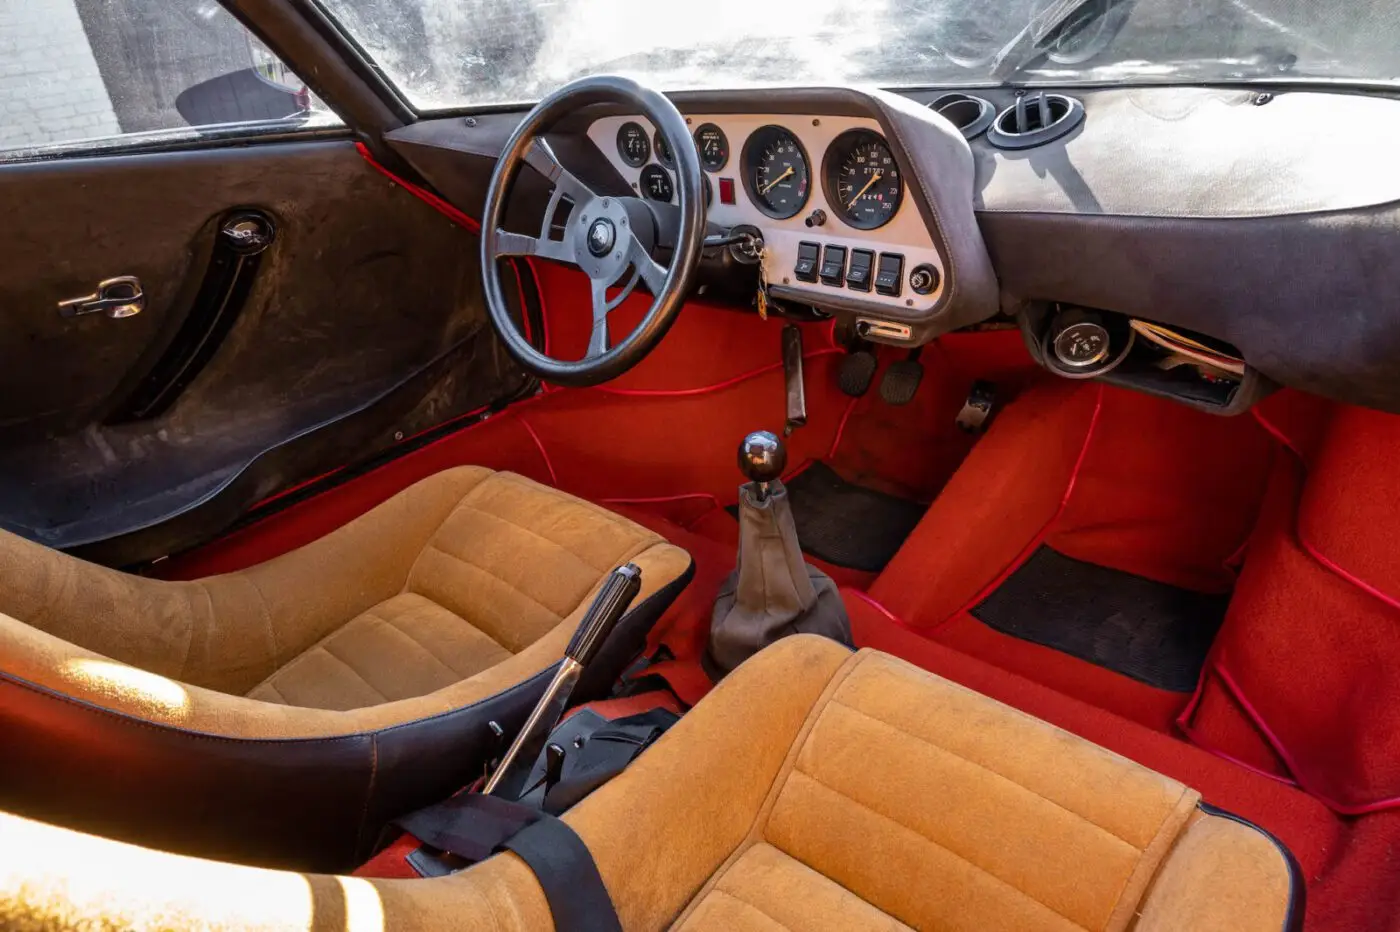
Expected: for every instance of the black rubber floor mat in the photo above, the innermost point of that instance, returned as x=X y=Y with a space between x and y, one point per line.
x=1155 y=633
x=847 y=524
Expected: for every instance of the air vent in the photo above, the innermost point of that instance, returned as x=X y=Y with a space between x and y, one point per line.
x=1034 y=120
x=971 y=115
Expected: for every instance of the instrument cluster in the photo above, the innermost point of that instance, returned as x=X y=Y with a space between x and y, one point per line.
x=821 y=186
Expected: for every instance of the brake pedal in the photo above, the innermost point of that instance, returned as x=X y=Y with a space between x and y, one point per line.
x=857 y=372
x=901 y=381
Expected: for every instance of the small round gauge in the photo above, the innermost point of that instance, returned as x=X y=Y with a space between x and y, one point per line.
x=862 y=180
x=1082 y=343
x=713 y=146
x=656 y=184
x=633 y=145
x=663 y=151
x=776 y=172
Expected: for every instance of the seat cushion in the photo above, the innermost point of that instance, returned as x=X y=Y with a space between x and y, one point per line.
x=505 y=567
x=812 y=790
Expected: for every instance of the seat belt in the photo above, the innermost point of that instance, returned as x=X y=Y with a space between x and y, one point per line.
x=474 y=826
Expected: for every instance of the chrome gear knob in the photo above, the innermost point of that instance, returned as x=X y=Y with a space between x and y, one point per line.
x=762 y=456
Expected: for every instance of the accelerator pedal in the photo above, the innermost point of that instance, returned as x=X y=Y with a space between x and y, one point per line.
x=977 y=411
x=902 y=381
x=857 y=372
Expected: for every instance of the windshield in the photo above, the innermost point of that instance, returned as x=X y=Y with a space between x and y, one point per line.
x=454 y=53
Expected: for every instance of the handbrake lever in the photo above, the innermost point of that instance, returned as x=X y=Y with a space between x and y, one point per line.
x=611 y=603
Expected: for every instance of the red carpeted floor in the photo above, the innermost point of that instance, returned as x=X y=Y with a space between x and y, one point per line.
x=1294 y=726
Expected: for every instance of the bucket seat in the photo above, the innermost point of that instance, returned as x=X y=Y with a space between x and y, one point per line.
x=813 y=789
x=285 y=712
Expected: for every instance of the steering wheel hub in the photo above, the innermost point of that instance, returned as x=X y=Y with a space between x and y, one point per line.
x=601 y=237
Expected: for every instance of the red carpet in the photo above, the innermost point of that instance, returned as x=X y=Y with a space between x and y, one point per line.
x=1103 y=475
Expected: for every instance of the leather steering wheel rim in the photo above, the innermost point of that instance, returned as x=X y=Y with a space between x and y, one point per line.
x=592 y=216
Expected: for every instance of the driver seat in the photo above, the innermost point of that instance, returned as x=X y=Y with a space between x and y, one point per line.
x=285 y=713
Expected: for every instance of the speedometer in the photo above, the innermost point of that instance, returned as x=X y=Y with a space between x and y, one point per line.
x=776 y=173
x=861 y=179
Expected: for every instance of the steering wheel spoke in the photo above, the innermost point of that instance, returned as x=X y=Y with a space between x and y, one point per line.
x=598 y=341
x=648 y=269
x=542 y=159
x=518 y=244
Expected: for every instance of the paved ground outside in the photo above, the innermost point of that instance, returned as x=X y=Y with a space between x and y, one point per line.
x=50 y=86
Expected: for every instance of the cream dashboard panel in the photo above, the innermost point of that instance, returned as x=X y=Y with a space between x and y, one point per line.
x=905 y=234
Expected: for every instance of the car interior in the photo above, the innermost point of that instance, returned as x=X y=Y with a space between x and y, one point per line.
x=672 y=503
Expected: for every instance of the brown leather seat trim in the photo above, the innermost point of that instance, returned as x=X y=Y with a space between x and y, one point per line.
x=296 y=803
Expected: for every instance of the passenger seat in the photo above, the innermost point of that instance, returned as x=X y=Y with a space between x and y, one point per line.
x=814 y=789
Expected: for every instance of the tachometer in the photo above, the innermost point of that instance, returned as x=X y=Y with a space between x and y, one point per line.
x=861 y=179
x=633 y=145
x=776 y=173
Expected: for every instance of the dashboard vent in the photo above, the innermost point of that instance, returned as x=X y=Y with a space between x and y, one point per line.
x=1035 y=119
x=971 y=115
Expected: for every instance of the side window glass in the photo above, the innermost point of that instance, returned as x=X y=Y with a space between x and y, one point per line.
x=79 y=75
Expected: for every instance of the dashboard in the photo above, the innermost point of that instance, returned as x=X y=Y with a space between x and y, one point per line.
x=826 y=193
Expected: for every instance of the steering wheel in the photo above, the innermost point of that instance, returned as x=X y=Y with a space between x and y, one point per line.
x=605 y=235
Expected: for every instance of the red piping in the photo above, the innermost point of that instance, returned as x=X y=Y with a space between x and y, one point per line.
x=1233 y=688
x=539 y=444
x=1044 y=531
x=889 y=615
x=841 y=428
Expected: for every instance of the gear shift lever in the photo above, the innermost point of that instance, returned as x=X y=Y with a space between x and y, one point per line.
x=762 y=458
x=772 y=592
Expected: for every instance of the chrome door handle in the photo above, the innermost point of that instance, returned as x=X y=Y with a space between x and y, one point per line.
x=116 y=297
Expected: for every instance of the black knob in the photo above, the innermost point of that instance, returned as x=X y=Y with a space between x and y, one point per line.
x=924 y=279
x=762 y=456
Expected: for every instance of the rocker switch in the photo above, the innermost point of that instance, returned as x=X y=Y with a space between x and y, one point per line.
x=834 y=266
x=806 y=268
x=889 y=275
x=858 y=275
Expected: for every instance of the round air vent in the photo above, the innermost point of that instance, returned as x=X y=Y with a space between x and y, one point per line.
x=971 y=115
x=1034 y=120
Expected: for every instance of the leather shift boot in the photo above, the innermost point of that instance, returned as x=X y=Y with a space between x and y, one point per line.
x=773 y=592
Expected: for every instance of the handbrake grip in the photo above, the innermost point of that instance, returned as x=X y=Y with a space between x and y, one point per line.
x=613 y=599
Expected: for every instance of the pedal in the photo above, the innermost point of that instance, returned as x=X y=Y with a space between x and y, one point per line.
x=901 y=381
x=857 y=372
x=977 y=411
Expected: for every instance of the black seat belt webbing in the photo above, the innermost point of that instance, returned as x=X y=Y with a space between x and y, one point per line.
x=578 y=900
x=473 y=827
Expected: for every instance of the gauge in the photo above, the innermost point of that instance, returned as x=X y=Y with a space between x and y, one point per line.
x=656 y=184
x=713 y=146
x=776 y=174
x=1081 y=340
x=632 y=144
x=862 y=181
x=663 y=151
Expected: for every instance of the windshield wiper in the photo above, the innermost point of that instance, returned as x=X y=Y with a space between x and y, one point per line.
x=1059 y=19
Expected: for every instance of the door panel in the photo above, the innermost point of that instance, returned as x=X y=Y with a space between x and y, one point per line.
x=364 y=321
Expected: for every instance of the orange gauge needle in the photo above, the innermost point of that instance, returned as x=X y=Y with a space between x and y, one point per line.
x=764 y=189
x=873 y=178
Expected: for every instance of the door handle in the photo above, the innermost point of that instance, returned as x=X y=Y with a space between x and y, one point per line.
x=116 y=297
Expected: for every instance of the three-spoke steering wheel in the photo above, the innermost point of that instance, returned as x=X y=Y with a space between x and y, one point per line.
x=605 y=235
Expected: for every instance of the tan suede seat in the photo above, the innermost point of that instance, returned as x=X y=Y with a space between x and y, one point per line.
x=288 y=710
x=813 y=790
